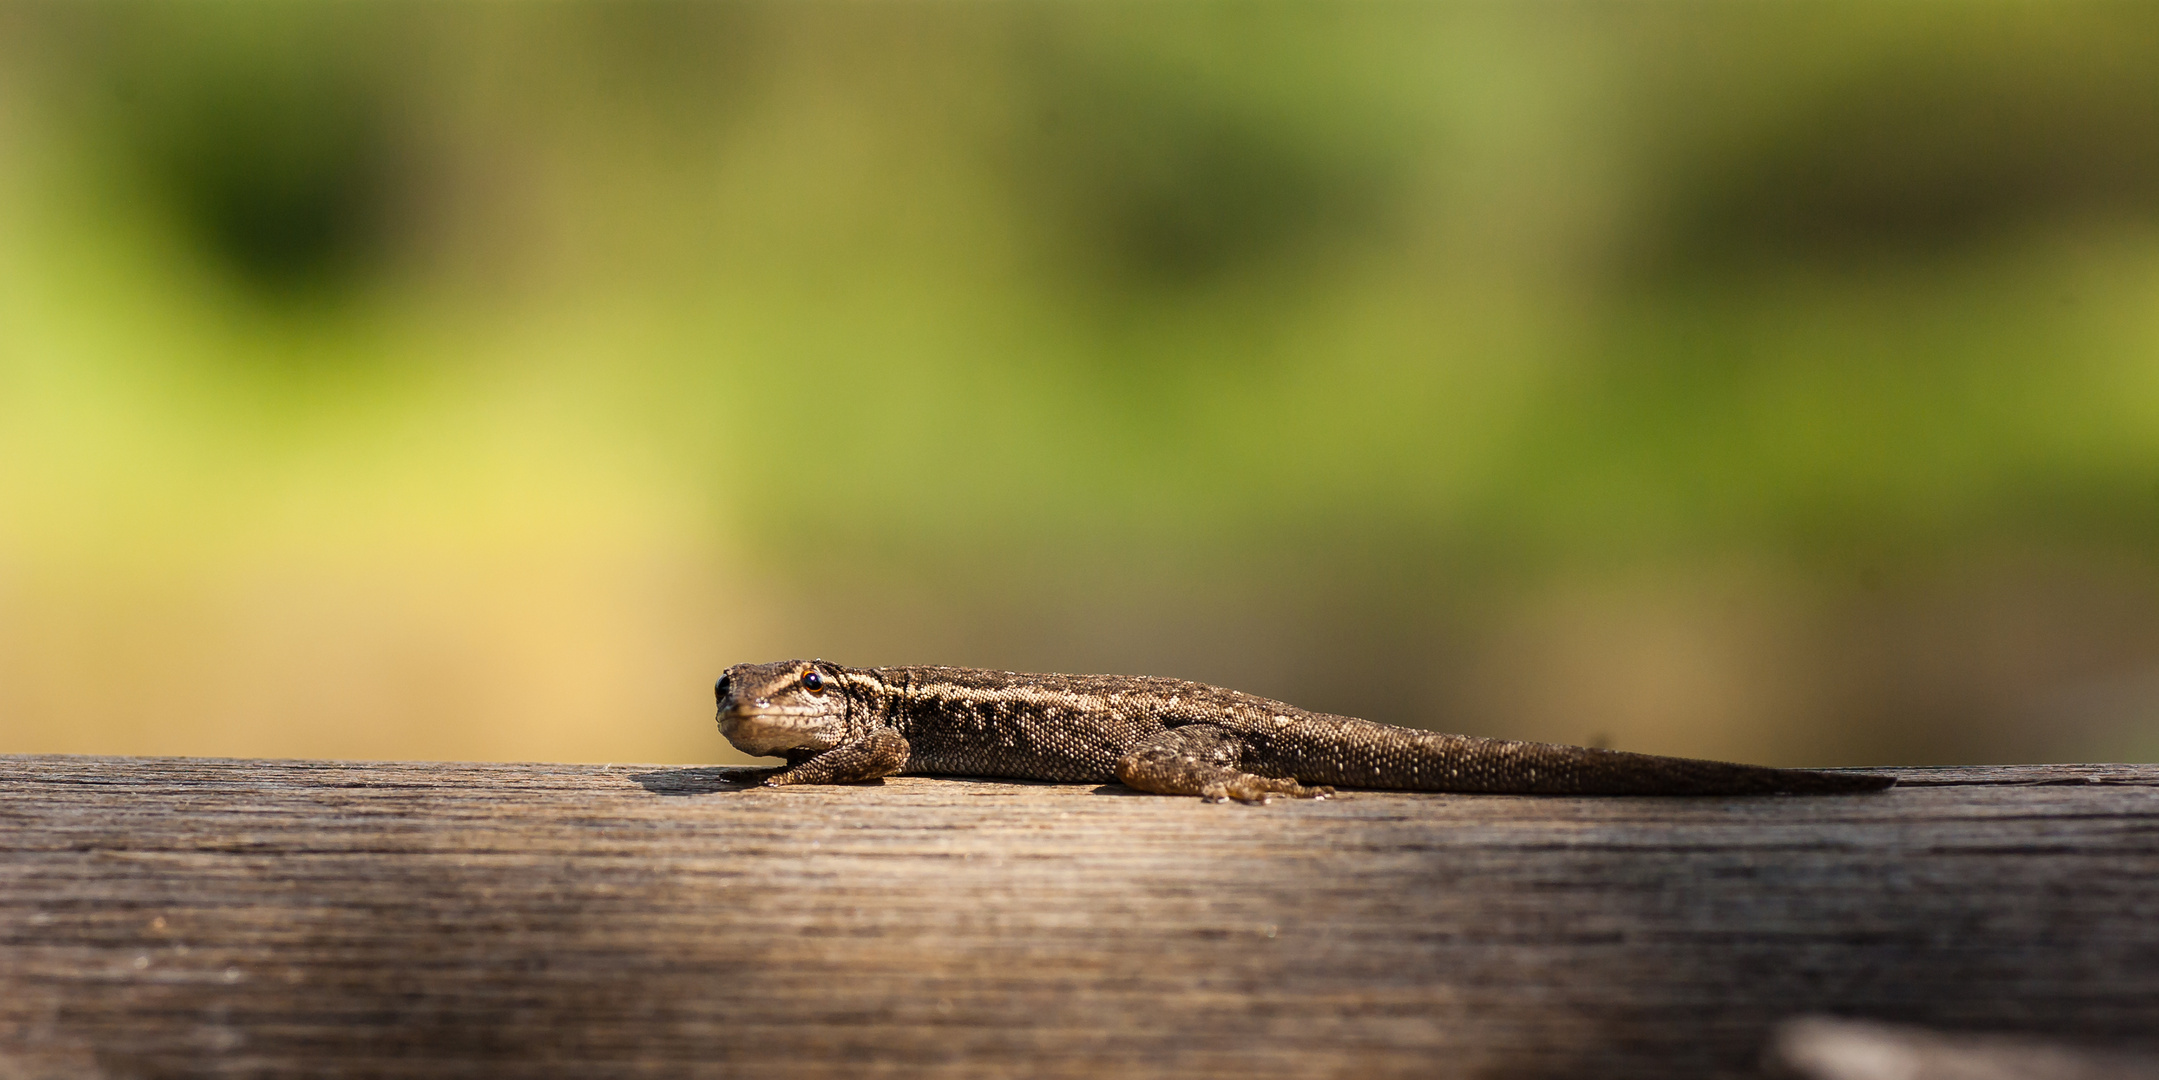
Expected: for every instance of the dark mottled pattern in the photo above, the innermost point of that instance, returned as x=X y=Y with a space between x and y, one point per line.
x=1177 y=737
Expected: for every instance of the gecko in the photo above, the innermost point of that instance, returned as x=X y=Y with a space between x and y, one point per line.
x=838 y=725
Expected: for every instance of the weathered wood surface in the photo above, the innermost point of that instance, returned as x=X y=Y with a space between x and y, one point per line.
x=164 y=917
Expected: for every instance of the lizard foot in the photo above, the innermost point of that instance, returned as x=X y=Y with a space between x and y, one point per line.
x=1203 y=760
x=881 y=753
x=1247 y=788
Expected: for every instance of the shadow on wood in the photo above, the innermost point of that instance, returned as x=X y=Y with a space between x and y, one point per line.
x=694 y=781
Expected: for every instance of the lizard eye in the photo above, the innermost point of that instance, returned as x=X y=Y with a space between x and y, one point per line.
x=814 y=683
x=719 y=689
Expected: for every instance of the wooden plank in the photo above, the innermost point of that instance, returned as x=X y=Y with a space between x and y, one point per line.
x=201 y=917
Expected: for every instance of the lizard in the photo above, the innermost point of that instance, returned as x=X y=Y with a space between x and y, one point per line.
x=837 y=725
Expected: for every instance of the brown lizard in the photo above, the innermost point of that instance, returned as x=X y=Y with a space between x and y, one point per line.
x=837 y=725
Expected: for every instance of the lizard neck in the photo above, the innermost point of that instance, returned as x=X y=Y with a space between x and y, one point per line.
x=929 y=698
x=872 y=700
x=914 y=698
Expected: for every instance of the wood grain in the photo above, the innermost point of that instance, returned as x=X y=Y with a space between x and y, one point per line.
x=167 y=917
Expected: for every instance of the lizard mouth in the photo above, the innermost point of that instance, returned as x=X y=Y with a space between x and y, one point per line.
x=770 y=730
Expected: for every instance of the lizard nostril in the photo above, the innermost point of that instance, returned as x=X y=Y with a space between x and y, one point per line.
x=764 y=703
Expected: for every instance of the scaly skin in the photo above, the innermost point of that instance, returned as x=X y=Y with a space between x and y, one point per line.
x=838 y=725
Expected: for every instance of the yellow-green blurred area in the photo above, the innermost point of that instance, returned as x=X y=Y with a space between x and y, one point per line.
x=1763 y=381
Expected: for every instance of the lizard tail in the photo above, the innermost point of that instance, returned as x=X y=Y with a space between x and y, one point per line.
x=1383 y=756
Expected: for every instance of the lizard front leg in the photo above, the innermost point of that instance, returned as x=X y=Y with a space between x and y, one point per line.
x=883 y=753
x=1202 y=760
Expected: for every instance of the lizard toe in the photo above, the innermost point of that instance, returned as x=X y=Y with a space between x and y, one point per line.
x=1259 y=790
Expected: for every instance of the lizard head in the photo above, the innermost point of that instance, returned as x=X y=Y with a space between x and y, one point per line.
x=769 y=709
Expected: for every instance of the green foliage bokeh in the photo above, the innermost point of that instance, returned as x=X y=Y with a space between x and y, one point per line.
x=1408 y=304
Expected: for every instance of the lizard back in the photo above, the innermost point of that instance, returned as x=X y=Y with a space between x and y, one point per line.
x=976 y=722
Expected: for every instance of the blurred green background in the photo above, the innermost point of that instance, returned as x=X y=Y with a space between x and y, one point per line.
x=399 y=380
